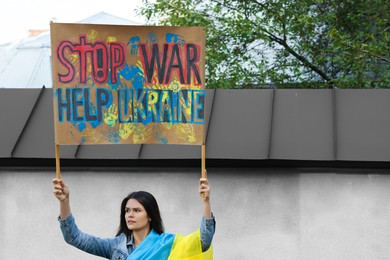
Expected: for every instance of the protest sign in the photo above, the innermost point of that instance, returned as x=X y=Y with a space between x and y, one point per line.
x=115 y=84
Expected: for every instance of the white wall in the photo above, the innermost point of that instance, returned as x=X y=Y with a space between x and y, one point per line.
x=261 y=213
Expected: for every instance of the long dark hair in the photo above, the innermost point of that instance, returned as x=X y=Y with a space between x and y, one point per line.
x=150 y=204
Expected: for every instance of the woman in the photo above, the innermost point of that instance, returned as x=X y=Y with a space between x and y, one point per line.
x=141 y=231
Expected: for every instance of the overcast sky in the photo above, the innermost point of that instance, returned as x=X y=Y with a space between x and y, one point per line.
x=18 y=16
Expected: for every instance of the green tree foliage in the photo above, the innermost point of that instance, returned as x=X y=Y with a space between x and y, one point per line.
x=290 y=43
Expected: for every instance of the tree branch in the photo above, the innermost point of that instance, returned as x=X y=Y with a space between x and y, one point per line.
x=369 y=53
x=283 y=42
x=304 y=60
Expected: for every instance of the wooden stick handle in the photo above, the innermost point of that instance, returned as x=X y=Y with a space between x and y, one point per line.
x=58 y=171
x=204 y=173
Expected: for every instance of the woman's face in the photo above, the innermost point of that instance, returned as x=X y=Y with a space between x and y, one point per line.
x=137 y=218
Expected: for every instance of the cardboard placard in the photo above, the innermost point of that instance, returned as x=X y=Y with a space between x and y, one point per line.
x=115 y=84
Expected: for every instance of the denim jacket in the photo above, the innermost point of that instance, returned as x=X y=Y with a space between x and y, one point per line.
x=117 y=247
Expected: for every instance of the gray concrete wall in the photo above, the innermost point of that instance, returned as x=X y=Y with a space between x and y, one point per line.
x=261 y=213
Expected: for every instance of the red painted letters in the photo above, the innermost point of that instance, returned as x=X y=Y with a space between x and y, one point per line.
x=104 y=58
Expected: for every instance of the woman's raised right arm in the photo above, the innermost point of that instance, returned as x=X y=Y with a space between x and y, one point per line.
x=103 y=247
x=61 y=191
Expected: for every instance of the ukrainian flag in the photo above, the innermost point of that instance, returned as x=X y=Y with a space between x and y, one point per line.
x=171 y=247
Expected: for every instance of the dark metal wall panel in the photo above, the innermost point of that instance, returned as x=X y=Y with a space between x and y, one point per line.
x=303 y=126
x=345 y=125
x=66 y=151
x=210 y=95
x=240 y=125
x=37 y=140
x=15 y=108
x=363 y=125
